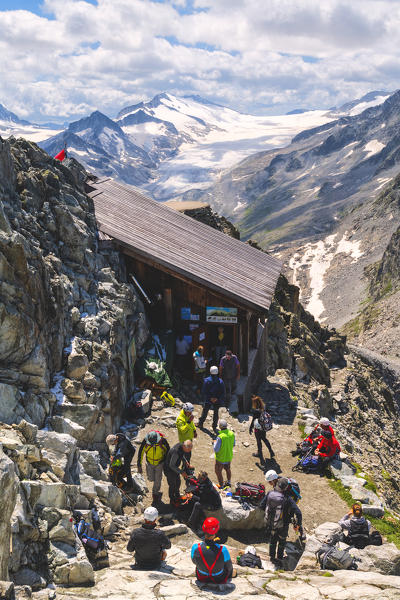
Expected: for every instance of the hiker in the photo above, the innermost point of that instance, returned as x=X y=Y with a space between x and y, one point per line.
x=280 y=509
x=177 y=463
x=357 y=526
x=312 y=440
x=212 y=560
x=223 y=448
x=292 y=491
x=249 y=558
x=205 y=496
x=328 y=448
x=95 y=517
x=155 y=447
x=182 y=348
x=200 y=366
x=229 y=371
x=185 y=423
x=124 y=452
x=148 y=543
x=213 y=392
x=221 y=344
x=261 y=423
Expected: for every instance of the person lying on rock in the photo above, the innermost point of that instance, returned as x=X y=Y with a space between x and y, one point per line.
x=177 y=463
x=185 y=423
x=357 y=526
x=327 y=450
x=313 y=439
x=155 y=448
x=148 y=543
x=212 y=560
x=280 y=509
x=205 y=496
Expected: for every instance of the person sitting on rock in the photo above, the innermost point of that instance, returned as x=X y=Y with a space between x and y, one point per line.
x=177 y=463
x=280 y=509
x=313 y=439
x=212 y=560
x=328 y=448
x=185 y=423
x=155 y=448
x=357 y=526
x=205 y=496
x=148 y=543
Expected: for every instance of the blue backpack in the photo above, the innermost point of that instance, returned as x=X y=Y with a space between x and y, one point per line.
x=310 y=464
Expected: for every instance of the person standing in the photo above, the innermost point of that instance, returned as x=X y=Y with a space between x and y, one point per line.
x=200 y=365
x=223 y=448
x=229 y=371
x=213 y=562
x=260 y=417
x=185 y=423
x=279 y=511
x=182 y=348
x=148 y=543
x=155 y=448
x=177 y=463
x=213 y=392
x=124 y=451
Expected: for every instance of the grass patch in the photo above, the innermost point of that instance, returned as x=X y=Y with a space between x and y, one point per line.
x=370 y=485
x=327 y=574
x=302 y=429
x=386 y=475
x=387 y=525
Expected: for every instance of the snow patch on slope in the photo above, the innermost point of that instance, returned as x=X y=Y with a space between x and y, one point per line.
x=373 y=147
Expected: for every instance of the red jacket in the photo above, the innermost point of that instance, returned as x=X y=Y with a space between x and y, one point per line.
x=316 y=433
x=328 y=448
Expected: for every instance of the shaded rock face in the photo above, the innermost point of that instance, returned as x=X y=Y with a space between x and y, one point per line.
x=8 y=494
x=67 y=319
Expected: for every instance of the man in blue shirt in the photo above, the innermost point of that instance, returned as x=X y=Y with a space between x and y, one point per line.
x=213 y=562
x=213 y=393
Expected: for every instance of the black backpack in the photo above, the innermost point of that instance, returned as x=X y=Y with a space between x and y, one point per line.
x=249 y=560
x=358 y=535
x=293 y=490
x=333 y=559
x=375 y=539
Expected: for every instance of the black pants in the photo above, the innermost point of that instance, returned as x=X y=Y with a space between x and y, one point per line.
x=197 y=515
x=278 y=538
x=261 y=436
x=126 y=471
x=204 y=414
x=174 y=484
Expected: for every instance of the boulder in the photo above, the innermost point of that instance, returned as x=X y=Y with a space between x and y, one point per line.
x=7 y=590
x=8 y=496
x=140 y=483
x=29 y=577
x=176 y=529
x=11 y=409
x=62 y=531
x=77 y=365
x=232 y=515
x=373 y=511
x=383 y=559
x=57 y=495
x=109 y=495
x=60 y=452
x=90 y=465
x=64 y=425
x=76 y=572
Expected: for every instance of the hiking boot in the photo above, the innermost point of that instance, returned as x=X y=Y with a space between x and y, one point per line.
x=227 y=484
x=272 y=454
x=256 y=455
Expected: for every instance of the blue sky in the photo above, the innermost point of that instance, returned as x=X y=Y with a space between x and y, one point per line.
x=66 y=58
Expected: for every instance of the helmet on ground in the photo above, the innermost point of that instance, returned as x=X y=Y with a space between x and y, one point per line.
x=210 y=525
x=152 y=438
x=271 y=475
x=150 y=514
x=214 y=370
x=250 y=550
x=324 y=421
x=326 y=434
x=282 y=484
x=188 y=407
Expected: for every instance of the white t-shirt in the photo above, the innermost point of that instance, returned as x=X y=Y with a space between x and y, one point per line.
x=182 y=347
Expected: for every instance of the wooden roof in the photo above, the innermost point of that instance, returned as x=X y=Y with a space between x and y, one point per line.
x=185 y=246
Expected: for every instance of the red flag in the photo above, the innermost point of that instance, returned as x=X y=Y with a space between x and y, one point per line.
x=61 y=155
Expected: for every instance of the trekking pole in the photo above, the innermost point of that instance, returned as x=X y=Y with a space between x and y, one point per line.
x=131 y=502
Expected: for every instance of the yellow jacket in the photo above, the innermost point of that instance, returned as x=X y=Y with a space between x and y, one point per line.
x=154 y=454
x=185 y=428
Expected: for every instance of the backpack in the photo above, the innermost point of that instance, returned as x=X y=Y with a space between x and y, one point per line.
x=275 y=510
x=293 y=490
x=310 y=464
x=375 y=539
x=333 y=559
x=89 y=538
x=358 y=535
x=265 y=421
x=249 y=560
x=250 y=492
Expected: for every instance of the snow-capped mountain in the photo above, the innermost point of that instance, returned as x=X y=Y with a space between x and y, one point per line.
x=11 y=124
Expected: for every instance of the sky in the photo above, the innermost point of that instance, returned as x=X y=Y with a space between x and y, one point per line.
x=63 y=59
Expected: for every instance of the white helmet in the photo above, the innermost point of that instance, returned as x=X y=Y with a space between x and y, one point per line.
x=250 y=550
x=188 y=407
x=271 y=475
x=150 y=514
x=214 y=370
x=324 y=421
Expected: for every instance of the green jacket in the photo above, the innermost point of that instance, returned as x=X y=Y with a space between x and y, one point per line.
x=185 y=428
x=225 y=453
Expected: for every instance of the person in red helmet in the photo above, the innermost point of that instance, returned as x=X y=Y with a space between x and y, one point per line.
x=328 y=448
x=212 y=560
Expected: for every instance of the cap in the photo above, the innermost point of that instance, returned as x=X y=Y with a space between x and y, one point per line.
x=324 y=421
x=214 y=370
x=282 y=484
x=152 y=438
x=250 y=550
x=210 y=525
x=188 y=407
x=271 y=475
x=222 y=424
x=150 y=514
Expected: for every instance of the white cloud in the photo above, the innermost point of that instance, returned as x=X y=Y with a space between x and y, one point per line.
x=79 y=57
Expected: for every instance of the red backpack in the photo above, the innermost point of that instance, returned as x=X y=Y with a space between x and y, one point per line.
x=251 y=492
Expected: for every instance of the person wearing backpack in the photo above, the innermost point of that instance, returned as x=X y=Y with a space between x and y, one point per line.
x=212 y=560
x=155 y=448
x=185 y=423
x=280 y=509
x=261 y=423
x=357 y=526
x=148 y=543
